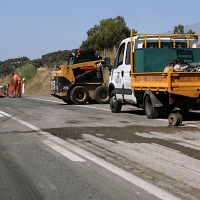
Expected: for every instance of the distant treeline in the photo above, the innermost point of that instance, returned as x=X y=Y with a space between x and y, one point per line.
x=102 y=37
x=47 y=60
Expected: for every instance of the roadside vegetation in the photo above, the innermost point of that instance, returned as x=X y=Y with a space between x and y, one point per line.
x=36 y=83
x=104 y=38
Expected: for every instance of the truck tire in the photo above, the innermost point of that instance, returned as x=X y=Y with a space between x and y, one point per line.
x=151 y=112
x=101 y=95
x=79 y=95
x=115 y=106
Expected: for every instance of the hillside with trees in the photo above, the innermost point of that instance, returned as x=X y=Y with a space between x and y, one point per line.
x=106 y=35
x=103 y=37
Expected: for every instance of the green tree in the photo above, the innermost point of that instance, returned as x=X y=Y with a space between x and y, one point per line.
x=108 y=34
x=27 y=71
x=191 y=31
x=179 y=29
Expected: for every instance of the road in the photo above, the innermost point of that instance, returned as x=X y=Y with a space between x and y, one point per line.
x=50 y=150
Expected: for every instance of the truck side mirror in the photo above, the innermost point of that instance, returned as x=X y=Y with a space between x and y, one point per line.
x=107 y=62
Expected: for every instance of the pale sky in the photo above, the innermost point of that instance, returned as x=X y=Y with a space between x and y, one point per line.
x=33 y=28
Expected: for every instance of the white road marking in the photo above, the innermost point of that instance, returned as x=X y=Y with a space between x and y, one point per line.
x=63 y=151
x=87 y=106
x=154 y=190
x=94 y=107
x=1 y=115
x=44 y=100
x=64 y=103
x=5 y=114
x=158 y=192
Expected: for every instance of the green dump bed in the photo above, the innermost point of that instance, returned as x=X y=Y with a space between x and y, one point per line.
x=156 y=59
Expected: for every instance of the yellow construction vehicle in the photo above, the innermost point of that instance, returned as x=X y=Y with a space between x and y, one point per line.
x=81 y=80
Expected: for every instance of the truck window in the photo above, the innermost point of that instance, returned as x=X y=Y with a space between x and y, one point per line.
x=120 y=55
x=128 y=60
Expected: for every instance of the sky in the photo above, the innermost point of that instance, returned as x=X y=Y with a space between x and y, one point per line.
x=33 y=28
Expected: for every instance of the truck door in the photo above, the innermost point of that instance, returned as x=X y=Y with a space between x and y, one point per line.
x=121 y=74
x=128 y=94
x=117 y=73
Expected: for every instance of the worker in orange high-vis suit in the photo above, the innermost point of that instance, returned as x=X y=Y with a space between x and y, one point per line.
x=18 y=86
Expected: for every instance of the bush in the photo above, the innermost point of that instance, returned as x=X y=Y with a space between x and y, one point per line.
x=27 y=71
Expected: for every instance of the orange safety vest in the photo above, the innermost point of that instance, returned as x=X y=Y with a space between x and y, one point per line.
x=16 y=79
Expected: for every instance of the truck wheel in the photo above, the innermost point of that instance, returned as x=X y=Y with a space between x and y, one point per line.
x=79 y=95
x=151 y=112
x=101 y=95
x=115 y=105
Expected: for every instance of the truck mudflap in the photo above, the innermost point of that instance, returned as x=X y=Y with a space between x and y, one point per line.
x=154 y=99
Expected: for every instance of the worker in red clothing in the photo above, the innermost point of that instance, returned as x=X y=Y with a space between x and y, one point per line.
x=18 y=86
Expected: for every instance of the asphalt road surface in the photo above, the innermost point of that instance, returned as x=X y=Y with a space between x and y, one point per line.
x=54 y=151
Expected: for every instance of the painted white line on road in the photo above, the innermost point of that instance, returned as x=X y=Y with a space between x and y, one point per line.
x=5 y=114
x=44 y=100
x=63 y=151
x=93 y=107
x=59 y=149
x=1 y=115
x=87 y=106
x=64 y=103
x=20 y=121
x=154 y=190
x=158 y=192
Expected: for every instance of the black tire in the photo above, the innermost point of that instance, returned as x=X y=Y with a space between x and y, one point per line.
x=115 y=106
x=175 y=119
x=101 y=95
x=79 y=95
x=69 y=101
x=151 y=112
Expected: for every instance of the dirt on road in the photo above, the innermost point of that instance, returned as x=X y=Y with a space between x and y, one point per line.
x=168 y=157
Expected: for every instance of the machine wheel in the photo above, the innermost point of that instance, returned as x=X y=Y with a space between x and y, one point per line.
x=101 y=95
x=69 y=101
x=151 y=112
x=79 y=95
x=115 y=105
x=175 y=119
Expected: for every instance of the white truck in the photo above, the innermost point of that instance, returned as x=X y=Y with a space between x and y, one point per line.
x=139 y=76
